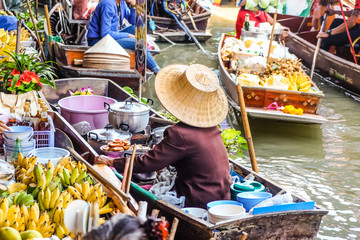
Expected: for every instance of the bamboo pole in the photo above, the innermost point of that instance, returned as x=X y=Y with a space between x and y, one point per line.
x=246 y=125
x=318 y=44
x=130 y=171
x=18 y=37
x=272 y=37
x=36 y=31
x=47 y=17
x=174 y=227
x=37 y=9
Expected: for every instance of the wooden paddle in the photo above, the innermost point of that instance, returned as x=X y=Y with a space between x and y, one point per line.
x=272 y=37
x=18 y=37
x=317 y=49
x=246 y=125
x=130 y=171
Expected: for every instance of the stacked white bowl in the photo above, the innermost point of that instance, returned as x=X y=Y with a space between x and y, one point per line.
x=225 y=212
x=23 y=134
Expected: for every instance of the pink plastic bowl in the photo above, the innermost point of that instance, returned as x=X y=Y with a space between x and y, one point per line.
x=86 y=108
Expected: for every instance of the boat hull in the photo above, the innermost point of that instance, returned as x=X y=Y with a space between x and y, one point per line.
x=341 y=72
x=258 y=98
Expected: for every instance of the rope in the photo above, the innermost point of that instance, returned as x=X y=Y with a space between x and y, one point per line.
x=347 y=31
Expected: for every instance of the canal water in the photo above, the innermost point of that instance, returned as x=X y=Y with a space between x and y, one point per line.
x=318 y=162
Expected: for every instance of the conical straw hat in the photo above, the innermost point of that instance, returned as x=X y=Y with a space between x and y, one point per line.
x=107 y=45
x=192 y=94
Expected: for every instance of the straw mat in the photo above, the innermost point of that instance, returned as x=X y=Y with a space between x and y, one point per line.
x=192 y=94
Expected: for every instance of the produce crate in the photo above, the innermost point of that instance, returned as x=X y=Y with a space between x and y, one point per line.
x=45 y=138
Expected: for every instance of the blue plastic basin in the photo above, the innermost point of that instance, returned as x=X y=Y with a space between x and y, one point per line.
x=223 y=202
x=250 y=199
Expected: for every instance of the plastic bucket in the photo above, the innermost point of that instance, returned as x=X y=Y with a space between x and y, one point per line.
x=245 y=186
x=86 y=108
x=49 y=153
x=250 y=199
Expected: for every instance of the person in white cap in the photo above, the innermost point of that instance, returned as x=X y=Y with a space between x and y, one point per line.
x=194 y=145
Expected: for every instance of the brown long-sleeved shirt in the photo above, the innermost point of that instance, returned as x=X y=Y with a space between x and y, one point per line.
x=200 y=159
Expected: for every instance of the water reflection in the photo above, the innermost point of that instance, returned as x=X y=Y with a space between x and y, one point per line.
x=318 y=162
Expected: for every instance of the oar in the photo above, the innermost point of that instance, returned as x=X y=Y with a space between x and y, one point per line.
x=18 y=37
x=317 y=49
x=246 y=125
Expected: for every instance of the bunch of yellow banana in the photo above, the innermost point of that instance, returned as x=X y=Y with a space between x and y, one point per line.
x=23 y=218
x=24 y=169
x=16 y=187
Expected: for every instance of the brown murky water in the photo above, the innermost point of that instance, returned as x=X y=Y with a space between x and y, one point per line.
x=321 y=163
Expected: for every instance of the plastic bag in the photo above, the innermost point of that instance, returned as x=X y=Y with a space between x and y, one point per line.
x=7 y=173
x=276 y=200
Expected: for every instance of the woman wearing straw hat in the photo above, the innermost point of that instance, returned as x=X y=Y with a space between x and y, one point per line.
x=108 y=18
x=194 y=145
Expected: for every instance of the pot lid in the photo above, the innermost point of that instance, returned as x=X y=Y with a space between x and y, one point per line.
x=129 y=106
x=108 y=134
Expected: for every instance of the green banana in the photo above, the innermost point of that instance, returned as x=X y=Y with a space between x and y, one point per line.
x=38 y=171
x=20 y=197
x=29 y=203
x=66 y=177
x=15 y=196
x=62 y=179
x=36 y=192
x=81 y=177
x=74 y=175
x=26 y=198
x=41 y=200
x=48 y=176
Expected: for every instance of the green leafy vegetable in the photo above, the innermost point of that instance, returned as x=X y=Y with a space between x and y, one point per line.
x=235 y=144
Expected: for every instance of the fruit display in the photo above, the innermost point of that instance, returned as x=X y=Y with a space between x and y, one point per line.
x=8 y=41
x=271 y=6
x=37 y=201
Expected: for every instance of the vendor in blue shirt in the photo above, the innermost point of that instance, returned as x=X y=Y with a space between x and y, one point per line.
x=108 y=18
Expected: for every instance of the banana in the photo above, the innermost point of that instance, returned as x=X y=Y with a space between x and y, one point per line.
x=4 y=206
x=15 y=196
x=47 y=197
x=79 y=166
x=37 y=172
x=41 y=181
x=74 y=192
x=101 y=221
x=41 y=228
x=59 y=202
x=50 y=165
x=29 y=171
x=49 y=231
x=60 y=232
x=85 y=187
x=34 y=213
x=99 y=190
x=24 y=211
x=103 y=200
x=48 y=176
x=26 y=198
x=54 y=196
x=67 y=177
x=22 y=227
x=74 y=175
x=94 y=197
x=43 y=218
x=20 y=158
x=41 y=200
x=64 y=227
x=36 y=192
x=2 y=216
x=31 y=225
x=81 y=177
x=12 y=213
x=15 y=225
x=67 y=202
x=105 y=210
x=33 y=160
x=16 y=187
x=57 y=215
x=20 y=197
x=78 y=187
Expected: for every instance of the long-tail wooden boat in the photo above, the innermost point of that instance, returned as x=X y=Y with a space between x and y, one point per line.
x=64 y=55
x=257 y=99
x=340 y=69
x=297 y=224
x=196 y=20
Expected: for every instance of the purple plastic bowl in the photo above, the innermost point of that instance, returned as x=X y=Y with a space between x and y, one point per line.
x=88 y=108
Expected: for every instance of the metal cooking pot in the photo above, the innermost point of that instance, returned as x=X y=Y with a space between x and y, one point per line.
x=133 y=114
x=99 y=137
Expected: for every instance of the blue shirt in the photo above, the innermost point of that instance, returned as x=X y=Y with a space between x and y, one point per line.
x=105 y=19
x=8 y=23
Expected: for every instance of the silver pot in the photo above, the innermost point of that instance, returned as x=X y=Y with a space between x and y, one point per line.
x=134 y=115
x=99 y=137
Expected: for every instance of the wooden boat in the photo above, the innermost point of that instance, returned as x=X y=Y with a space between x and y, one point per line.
x=299 y=224
x=171 y=29
x=65 y=54
x=340 y=69
x=257 y=99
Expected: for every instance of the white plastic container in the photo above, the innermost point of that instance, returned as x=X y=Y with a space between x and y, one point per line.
x=49 y=153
